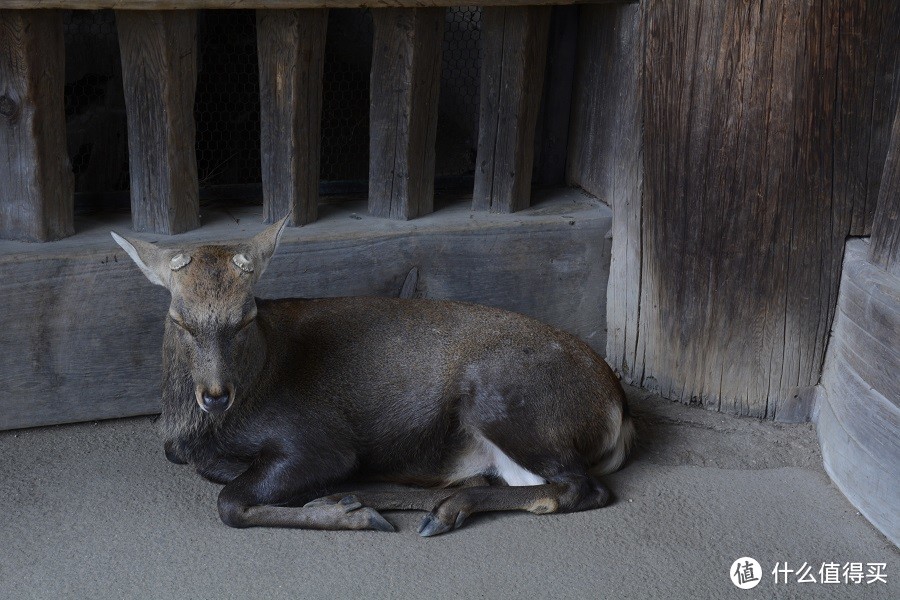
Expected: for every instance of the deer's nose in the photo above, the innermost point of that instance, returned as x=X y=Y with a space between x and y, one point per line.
x=215 y=403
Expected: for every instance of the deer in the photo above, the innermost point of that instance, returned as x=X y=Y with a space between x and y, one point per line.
x=466 y=408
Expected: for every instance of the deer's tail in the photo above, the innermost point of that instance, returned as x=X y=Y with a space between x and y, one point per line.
x=620 y=448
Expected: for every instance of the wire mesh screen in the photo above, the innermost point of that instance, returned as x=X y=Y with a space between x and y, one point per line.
x=226 y=110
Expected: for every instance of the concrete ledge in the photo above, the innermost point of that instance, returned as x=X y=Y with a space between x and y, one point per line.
x=859 y=417
x=82 y=328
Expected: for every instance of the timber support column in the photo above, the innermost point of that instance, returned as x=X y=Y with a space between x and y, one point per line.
x=36 y=200
x=291 y=60
x=159 y=73
x=405 y=81
x=512 y=79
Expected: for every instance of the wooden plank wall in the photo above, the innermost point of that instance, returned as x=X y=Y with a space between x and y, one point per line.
x=37 y=201
x=734 y=231
x=81 y=329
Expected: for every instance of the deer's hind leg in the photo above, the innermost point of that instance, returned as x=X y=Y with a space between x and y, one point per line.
x=405 y=499
x=566 y=492
x=543 y=478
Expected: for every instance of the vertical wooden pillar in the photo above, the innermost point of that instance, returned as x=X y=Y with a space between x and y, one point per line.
x=514 y=41
x=291 y=53
x=552 y=136
x=605 y=157
x=36 y=199
x=405 y=80
x=159 y=73
x=884 y=248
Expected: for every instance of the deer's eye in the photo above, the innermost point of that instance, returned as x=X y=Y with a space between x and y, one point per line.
x=181 y=325
x=246 y=322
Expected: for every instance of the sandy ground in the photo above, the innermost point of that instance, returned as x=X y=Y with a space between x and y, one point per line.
x=95 y=511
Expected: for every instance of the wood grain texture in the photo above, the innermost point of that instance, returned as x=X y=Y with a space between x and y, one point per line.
x=280 y=4
x=405 y=83
x=859 y=417
x=885 y=247
x=552 y=134
x=82 y=328
x=159 y=73
x=514 y=46
x=605 y=156
x=291 y=52
x=740 y=256
x=37 y=202
x=867 y=94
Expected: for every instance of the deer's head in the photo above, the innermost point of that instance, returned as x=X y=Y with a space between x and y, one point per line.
x=213 y=310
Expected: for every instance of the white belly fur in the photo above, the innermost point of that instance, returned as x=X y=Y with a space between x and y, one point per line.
x=485 y=458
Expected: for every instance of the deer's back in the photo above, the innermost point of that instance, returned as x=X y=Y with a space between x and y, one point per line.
x=421 y=374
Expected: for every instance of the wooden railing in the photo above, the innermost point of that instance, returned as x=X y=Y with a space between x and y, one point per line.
x=159 y=63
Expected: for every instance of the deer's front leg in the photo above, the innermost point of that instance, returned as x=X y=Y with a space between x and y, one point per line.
x=174 y=452
x=257 y=497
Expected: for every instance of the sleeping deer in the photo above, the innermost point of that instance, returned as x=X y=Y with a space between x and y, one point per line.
x=284 y=400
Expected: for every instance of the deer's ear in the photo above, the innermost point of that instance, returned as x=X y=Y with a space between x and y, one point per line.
x=150 y=259
x=261 y=247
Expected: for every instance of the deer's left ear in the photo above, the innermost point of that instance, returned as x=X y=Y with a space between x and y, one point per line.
x=260 y=249
x=157 y=264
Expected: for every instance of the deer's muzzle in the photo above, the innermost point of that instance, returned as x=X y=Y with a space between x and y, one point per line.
x=215 y=400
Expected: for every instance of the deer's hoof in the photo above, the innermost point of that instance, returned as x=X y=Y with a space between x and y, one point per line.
x=431 y=525
x=377 y=522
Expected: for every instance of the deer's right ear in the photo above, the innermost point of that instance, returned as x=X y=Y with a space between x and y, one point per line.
x=260 y=249
x=148 y=257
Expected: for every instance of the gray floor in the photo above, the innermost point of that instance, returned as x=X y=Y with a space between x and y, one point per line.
x=95 y=511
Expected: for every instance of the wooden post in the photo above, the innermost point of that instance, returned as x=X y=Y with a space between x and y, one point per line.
x=405 y=80
x=552 y=135
x=36 y=199
x=740 y=242
x=868 y=47
x=884 y=249
x=291 y=58
x=159 y=73
x=512 y=75
x=604 y=157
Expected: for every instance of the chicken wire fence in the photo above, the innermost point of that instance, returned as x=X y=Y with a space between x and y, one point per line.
x=227 y=107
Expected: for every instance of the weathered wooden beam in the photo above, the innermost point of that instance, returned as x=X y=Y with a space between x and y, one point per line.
x=291 y=59
x=159 y=74
x=405 y=81
x=271 y=4
x=514 y=42
x=81 y=327
x=884 y=248
x=605 y=148
x=37 y=201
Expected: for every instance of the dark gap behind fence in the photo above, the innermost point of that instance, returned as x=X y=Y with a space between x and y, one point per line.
x=226 y=109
